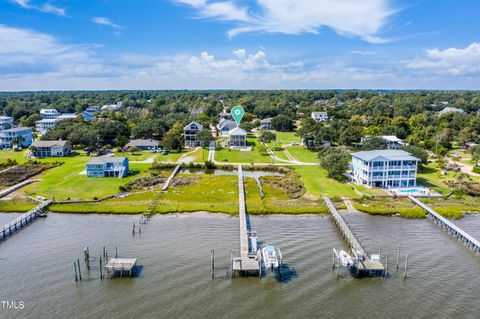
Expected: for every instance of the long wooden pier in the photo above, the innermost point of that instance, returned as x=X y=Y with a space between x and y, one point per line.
x=24 y=219
x=364 y=265
x=170 y=178
x=13 y=188
x=247 y=262
x=451 y=227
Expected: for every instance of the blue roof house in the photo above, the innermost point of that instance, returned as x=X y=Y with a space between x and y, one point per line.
x=107 y=166
x=18 y=136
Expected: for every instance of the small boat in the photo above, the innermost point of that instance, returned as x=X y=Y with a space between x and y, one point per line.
x=345 y=258
x=270 y=257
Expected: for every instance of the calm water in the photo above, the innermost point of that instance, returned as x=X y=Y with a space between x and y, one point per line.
x=36 y=267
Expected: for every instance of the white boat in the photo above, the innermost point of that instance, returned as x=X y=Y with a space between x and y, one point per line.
x=270 y=257
x=345 y=258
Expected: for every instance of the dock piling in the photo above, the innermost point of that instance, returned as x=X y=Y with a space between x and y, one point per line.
x=79 y=270
x=406 y=266
x=212 y=261
x=75 y=268
x=398 y=257
x=116 y=252
x=101 y=270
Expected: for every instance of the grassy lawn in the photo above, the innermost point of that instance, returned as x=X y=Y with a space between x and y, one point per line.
x=200 y=155
x=173 y=156
x=317 y=183
x=237 y=156
x=18 y=156
x=302 y=154
x=287 y=137
x=65 y=181
x=388 y=206
x=139 y=156
x=370 y=191
x=430 y=177
x=276 y=147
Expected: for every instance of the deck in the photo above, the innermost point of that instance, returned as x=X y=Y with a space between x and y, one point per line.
x=22 y=220
x=121 y=266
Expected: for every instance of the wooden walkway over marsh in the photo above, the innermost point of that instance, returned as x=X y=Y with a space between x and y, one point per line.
x=24 y=219
x=170 y=178
x=364 y=265
x=247 y=262
x=451 y=227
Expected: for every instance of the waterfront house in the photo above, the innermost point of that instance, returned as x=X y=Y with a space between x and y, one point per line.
x=190 y=134
x=320 y=116
x=49 y=113
x=66 y=116
x=384 y=169
x=45 y=125
x=450 y=109
x=266 y=124
x=225 y=126
x=237 y=138
x=392 y=141
x=112 y=107
x=107 y=166
x=6 y=122
x=18 y=136
x=143 y=145
x=92 y=109
x=42 y=149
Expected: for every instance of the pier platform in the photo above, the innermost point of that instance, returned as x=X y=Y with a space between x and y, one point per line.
x=120 y=267
x=364 y=265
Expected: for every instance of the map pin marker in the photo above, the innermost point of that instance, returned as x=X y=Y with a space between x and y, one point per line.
x=237 y=113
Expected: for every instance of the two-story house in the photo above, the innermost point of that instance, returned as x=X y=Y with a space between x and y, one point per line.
x=190 y=134
x=49 y=113
x=18 y=136
x=225 y=126
x=384 y=169
x=107 y=166
x=266 y=124
x=42 y=149
x=237 y=138
x=45 y=125
x=6 y=122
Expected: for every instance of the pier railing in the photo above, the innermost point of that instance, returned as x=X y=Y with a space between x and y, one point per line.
x=22 y=220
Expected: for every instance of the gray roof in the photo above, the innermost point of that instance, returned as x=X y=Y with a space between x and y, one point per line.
x=237 y=132
x=142 y=142
x=267 y=120
x=49 y=143
x=392 y=155
x=228 y=124
x=198 y=125
x=106 y=159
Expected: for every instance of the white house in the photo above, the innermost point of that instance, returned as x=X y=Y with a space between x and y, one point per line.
x=225 y=126
x=384 y=169
x=393 y=142
x=45 y=125
x=6 y=122
x=49 y=113
x=237 y=138
x=450 y=109
x=18 y=136
x=266 y=124
x=320 y=116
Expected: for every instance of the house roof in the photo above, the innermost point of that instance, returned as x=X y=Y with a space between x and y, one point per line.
x=224 y=114
x=391 y=138
x=319 y=114
x=48 y=111
x=189 y=126
x=227 y=124
x=48 y=143
x=237 y=132
x=267 y=120
x=106 y=159
x=143 y=142
x=450 y=109
x=67 y=116
x=17 y=129
x=392 y=155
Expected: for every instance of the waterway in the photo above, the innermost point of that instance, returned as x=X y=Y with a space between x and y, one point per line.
x=36 y=267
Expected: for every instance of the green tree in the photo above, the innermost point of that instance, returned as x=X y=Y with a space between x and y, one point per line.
x=205 y=136
x=172 y=140
x=417 y=152
x=374 y=143
x=335 y=161
x=267 y=136
x=282 y=123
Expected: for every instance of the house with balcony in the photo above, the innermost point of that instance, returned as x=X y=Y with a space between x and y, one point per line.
x=225 y=126
x=42 y=149
x=384 y=169
x=49 y=113
x=266 y=124
x=6 y=122
x=143 y=145
x=237 y=138
x=45 y=125
x=320 y=116
x=107 y=166
x=16 y=137
x=190 y=134
x=392 y=141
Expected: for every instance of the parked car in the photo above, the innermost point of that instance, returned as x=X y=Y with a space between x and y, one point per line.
x=165 y=152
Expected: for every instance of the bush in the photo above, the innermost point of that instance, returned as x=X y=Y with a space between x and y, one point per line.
x=476 y=169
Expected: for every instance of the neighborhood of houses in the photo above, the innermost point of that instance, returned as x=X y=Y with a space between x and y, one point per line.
x=390 y=168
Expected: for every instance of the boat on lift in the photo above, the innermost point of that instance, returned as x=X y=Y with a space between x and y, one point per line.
x=270 y=257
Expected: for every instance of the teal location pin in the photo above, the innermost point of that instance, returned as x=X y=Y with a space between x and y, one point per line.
x=237 y=113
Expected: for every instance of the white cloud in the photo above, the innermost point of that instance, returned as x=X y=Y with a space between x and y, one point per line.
x=106 y=21
x=464 y=61
x=351 y=18
x=46 y=7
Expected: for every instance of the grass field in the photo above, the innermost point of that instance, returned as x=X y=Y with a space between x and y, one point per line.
x=387 y=206
x=18 y=156
x=277 y=148
x=287 y=137
x=236 y=156
x=302 y=154
x=317 y=183
x=66 y=181
x=430 y=177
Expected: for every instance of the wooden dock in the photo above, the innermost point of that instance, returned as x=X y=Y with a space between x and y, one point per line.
x=24 y=219
x=170 y=178
x=247 y=262
x=451 y=227
x=13 y=188
x=363 y=264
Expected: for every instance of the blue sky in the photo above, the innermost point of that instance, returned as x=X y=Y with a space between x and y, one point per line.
x=251 y=44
